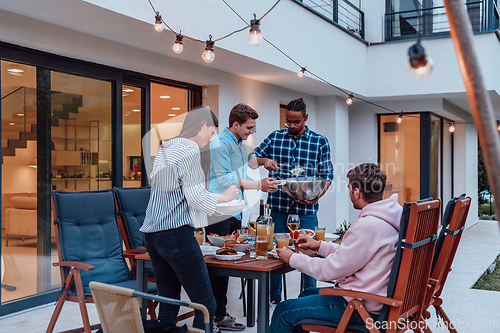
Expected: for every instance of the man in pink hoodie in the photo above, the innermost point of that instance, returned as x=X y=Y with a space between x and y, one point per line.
x=362 y=262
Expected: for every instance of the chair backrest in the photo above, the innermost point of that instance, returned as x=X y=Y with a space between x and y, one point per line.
x=417 y=248
x=117 y=309
x=448 y=212
x=87 y=231
x=450 y=234
x=131 y=206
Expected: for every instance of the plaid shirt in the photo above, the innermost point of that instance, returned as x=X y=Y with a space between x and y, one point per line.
x=310 y=151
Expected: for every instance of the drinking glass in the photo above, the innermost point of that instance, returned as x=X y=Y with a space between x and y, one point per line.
x=230 y=241
x=320 y=233
x=283 y=240
x=252 y=224
x=270 y=235
x=261 y=247
x=293 y=222
x=199 y=234
x=252 y=248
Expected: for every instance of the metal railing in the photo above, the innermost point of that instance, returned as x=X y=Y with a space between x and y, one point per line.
x=483 y=15
x=341 y=12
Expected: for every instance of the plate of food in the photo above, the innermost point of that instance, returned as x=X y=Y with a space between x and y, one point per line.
x=301 y=233
x=216 y=240
x=207 y=249
x=228 y=253
x=331 y=236
x=241 y=246
x=274 y=253
x=230 y=208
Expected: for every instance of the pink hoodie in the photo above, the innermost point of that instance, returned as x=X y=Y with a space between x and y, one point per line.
x=363 y=261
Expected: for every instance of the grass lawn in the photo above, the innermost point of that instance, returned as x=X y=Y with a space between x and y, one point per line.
x=486 y=209
x=490 y=281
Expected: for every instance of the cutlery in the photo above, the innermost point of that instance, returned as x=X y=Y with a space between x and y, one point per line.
x=240 y=262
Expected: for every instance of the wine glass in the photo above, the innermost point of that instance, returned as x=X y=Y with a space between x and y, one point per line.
x=293 y=222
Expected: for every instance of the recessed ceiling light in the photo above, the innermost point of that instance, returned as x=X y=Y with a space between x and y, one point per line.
x=136 y=110
x=20 y=114
x=15 y=70
x=176 y=108
x=172 y=115
x=126 y=114
x=164 y=96
x=127 y=90
x=12 y=124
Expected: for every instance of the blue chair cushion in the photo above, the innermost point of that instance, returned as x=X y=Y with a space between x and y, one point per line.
x=132 y=204
x=89 y=233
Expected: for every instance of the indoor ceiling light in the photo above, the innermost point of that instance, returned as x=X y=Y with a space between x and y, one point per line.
x=127 y=90
x=136 y=110
x=176 y=108
x=12 y=124
x=20 y=114
x=165 y=96
x=172 y=115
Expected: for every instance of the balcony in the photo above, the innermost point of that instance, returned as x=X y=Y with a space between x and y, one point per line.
x=484 y=17
x=342 y=13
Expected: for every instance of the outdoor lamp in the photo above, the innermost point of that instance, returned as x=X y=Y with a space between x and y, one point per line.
x=452 y=127
x=178 y=47
x=301 y=72
x=419 y=66
x=498 y=125
x=349 y=99
x=400 y=118
x=208 y=55
x=158 y=22
x=255 y=37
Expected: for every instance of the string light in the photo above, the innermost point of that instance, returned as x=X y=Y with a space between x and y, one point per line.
x=451 y=129
x=498 y=125
x=349 y=99
x=301 y=72
x=400 y=118
x=419 y=65
x=158 y=22
x=255 y=36
x=209 y=55
x=178 y=47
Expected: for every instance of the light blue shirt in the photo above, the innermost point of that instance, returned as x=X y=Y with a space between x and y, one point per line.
x=229 y=163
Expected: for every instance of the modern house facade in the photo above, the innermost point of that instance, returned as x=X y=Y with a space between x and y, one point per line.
x=83 y=81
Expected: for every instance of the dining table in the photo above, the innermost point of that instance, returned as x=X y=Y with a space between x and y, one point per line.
x=256 y=270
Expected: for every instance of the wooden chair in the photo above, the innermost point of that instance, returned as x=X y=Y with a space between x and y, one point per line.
x=89 y=248
x=118 y=308
x=407 y=287
x=453 y=224
x=131 y=205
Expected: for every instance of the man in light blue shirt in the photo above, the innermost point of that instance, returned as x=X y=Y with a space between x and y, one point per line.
x=229 y=160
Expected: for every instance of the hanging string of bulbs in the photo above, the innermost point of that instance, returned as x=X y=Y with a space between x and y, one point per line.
x=419 y=65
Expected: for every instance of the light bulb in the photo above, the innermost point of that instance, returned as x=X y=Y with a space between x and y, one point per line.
x=452 y=127
x=178 y=47
x=400 y=118
x=209 y=55
x=419 y=65
x=498 y=125
x=255 y=37
x=301 y=72
x=349 y=100
x=158 y=22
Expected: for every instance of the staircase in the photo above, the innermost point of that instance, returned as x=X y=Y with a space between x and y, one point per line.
x=19 y=115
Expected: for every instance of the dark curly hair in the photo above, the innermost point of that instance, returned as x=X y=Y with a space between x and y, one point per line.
x=297 y=105
x=369 y=179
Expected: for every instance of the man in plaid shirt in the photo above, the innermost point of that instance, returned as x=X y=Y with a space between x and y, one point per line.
x=283 y=151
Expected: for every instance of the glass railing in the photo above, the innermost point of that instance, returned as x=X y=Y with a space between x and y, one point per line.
x=483 y=16
x=341 y=12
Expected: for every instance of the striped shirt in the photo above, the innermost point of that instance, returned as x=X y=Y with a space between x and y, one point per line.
x=178 y=195
x=310 y=151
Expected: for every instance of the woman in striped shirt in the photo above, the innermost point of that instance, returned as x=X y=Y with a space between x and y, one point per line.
x=178 y=203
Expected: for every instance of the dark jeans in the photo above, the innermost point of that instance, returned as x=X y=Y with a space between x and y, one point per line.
x=177 y=261
x=306 y=222
x=220 y=283
x=309 y=305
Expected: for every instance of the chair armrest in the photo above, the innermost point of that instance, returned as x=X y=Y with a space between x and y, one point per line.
x=75 y=264
x=361 y=295
x=135 y=251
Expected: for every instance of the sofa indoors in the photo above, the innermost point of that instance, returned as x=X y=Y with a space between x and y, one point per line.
x=19 y=212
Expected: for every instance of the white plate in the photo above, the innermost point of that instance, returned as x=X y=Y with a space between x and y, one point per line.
x=216 y=241
x=229 y=256
x=330 y=236
x=275 y=255
x=230 y=208
x=208 y=249
x=241 y=247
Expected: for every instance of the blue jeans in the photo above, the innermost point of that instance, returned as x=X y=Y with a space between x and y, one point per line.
x=309 y=305
x=306 y=222
x=177 y=261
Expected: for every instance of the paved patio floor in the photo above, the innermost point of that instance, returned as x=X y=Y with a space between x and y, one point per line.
x=471 y=310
